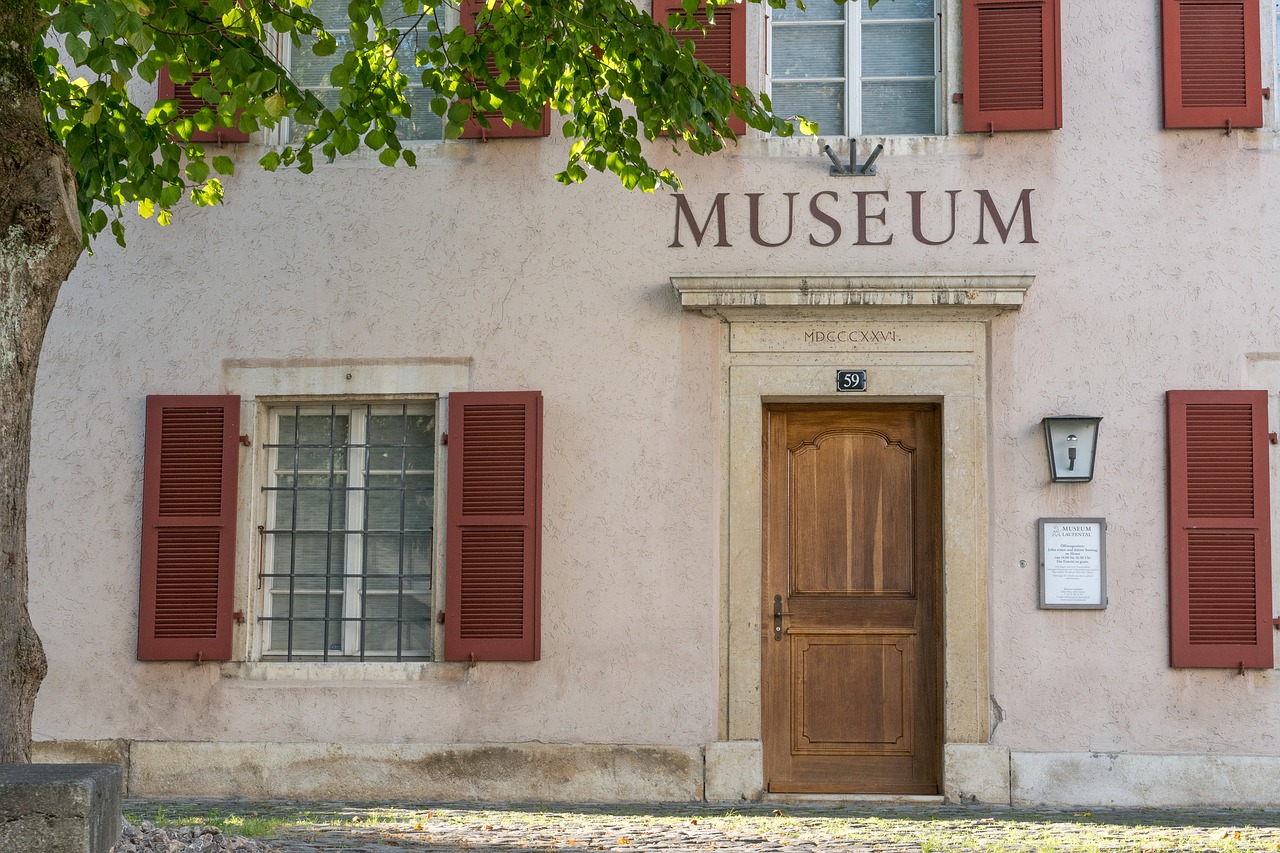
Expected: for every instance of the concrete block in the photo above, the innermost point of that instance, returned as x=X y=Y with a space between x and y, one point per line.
x=59 y=808
x=976 y=773
x=734 y=771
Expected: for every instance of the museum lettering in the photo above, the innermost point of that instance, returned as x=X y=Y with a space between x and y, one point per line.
x=860 y=217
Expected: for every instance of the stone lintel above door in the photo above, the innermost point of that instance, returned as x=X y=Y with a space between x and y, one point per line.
x=962 y=296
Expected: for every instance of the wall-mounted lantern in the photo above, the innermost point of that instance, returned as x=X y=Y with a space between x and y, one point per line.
x=1073 y=443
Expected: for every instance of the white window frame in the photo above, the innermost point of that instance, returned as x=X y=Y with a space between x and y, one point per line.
x=357 y=412
x=264 y=383
x=852 y=78
x=284 y=55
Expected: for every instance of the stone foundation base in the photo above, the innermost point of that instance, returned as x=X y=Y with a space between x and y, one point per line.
x=717 y=772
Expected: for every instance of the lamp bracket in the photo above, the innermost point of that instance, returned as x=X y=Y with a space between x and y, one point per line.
x=866 y=169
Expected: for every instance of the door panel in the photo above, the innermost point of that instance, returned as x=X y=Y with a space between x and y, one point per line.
x=851 y=650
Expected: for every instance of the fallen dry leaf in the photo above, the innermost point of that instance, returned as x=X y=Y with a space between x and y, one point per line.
x=573 y=841
x=622 y=841
x=693 y=822
x=419 y=827
x=777 y=813
x=488 y=827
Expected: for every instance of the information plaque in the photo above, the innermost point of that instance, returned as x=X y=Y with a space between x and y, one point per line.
x=1073 y=563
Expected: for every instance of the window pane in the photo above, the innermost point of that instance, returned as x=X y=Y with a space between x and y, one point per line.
x=305 y=554
x=902 y=107
x=814 y=10
x=808 y=52
x=888 y=10
x=384 y=616
x=383 y=555
x=315 y=497
x=897 y=50
x=309 y=624
x=819 y=102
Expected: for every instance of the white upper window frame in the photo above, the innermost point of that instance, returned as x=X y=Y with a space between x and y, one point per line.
x=945 y=46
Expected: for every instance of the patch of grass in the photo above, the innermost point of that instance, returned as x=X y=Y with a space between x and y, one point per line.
x=249 y=825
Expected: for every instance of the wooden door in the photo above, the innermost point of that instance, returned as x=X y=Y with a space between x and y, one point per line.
x=851 y=610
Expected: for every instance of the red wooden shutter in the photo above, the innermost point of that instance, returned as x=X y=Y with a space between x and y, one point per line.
x=722 y=47
x=188 y=528
x=1212 y=63
x=497 y=129
x=1012 y=65
x=494 y=548
x=1219 y=529
x=189 y=105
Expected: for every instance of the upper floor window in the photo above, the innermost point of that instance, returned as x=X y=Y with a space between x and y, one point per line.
x=855 y=70
x=315 y=72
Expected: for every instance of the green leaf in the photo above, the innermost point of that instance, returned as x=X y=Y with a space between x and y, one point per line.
x=270 y=161
x=409 y=157
x=459 y=112
x=325 y=45
x=146 y=208
x=197 y=171
x=223 y=165
x=275 y=105
x=388 y=156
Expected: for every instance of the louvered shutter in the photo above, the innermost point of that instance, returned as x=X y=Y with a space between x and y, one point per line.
x=722 y=47
x=497 y=129
x=1012 y=65
x=1212 y=63
x=494 y=545
x=188 y=528
x=1219 y=529
x=189 y=105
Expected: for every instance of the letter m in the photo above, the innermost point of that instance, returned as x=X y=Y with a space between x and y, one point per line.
x=717 y=210
x=1003 y=228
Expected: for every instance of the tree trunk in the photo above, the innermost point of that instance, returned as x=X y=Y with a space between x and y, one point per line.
x=40 y=242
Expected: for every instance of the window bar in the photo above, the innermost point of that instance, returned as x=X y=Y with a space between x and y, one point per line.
x=364 y=538
x=404 y=496
x=293 y=532
x=328 y=538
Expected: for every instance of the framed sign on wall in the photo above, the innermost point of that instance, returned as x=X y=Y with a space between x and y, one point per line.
x=1073 y=563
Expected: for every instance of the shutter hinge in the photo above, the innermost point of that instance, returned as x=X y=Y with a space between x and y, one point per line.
x=957 y=97
x=440 y=617
x=444 y=439
x=1266 y=93
x=1276 y=624
x=1273 y=438
x=1240 y=669
x=1228 y=127
x=238 y=617
x=244 y=439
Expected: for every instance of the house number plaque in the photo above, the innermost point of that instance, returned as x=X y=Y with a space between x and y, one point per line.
x=851 y=380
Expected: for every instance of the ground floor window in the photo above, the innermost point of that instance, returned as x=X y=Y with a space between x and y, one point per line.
x=347 y=543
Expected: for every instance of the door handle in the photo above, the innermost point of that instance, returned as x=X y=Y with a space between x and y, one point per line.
x=777 y=617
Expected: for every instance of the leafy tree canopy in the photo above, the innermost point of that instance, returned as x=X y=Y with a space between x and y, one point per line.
x=617 y=75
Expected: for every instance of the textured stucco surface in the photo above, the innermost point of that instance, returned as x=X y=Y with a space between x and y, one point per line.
x=1153 y=270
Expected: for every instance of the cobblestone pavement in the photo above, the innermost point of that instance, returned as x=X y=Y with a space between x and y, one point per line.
x=769 y=828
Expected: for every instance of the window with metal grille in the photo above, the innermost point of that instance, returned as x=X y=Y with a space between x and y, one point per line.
x=347 y=545
x=855 y=70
